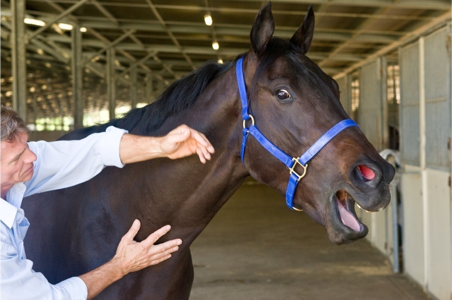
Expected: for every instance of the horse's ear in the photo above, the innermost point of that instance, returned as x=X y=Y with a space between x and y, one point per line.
x=303 y=37
x=263 y=28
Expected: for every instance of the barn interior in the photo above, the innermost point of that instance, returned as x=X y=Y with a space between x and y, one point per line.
x=68 y=64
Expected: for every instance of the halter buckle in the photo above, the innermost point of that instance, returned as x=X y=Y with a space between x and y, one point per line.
x=292 y=169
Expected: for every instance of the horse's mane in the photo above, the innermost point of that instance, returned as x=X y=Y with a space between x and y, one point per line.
x=180 y=95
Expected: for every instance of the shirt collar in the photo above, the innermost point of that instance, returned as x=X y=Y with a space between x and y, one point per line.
x=9 y=209
x=8 y=213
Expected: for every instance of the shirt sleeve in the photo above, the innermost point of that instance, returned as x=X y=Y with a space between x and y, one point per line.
x=63 y=164
x=18 y=281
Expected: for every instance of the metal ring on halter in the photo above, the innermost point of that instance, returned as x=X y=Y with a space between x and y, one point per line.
x=297 y=209
x=252 y=121
x=292 y=170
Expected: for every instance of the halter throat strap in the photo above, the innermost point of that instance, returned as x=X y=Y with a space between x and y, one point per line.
x=289 y=161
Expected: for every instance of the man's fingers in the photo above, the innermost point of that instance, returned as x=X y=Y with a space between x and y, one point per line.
x=133 y=230
x=201 y=139
x=157 y=261
x=201 y=155
x=161 y=254
x=206 y=153
x=153 y=237
x=166 y=247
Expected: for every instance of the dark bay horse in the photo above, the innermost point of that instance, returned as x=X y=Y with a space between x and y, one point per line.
x=75 y=230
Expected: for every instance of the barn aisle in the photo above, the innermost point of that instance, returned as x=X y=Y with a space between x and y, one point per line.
x=256 y=248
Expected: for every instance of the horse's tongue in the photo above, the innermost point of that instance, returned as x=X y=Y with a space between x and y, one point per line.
x=347 y=218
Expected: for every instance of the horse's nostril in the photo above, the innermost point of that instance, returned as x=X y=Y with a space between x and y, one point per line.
x=367 y=172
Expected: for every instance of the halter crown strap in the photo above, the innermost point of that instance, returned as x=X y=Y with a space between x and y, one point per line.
x=242 y=89
x=289 y=161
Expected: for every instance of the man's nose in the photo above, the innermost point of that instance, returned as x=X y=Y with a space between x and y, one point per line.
x=31 y=157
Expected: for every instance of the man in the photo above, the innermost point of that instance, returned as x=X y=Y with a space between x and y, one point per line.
x=29 y=168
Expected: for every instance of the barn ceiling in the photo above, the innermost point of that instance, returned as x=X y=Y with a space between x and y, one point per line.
x=169 y=38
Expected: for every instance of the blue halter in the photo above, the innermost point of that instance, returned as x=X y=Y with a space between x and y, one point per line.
x=290 y=162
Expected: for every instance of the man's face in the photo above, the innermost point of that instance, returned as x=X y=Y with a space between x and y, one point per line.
x=16 y=161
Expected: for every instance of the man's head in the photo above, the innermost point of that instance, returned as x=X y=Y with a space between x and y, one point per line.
x=16 y=158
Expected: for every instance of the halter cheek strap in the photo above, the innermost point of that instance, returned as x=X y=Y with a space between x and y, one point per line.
x=290 y=162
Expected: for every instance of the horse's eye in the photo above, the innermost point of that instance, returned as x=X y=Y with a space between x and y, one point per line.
x=282 y=94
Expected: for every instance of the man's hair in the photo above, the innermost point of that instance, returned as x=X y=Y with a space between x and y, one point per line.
x=11 y=124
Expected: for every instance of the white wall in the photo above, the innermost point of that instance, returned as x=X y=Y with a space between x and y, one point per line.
x=425 y=128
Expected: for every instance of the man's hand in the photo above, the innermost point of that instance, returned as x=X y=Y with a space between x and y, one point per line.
x=130 y=256
x=185 y=141
x=133 y=256
x=180 y=142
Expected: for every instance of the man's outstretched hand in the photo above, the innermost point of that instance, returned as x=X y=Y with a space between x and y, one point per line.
x=185 y=141
x=131 y=256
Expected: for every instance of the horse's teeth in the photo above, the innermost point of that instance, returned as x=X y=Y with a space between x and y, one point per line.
x=363 y=208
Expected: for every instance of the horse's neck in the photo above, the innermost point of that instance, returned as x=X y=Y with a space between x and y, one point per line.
x=193 y=193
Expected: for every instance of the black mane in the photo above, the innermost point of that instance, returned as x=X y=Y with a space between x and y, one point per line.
x=178 y=96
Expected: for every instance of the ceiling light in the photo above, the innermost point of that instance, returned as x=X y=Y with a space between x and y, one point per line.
x=35 y=22
x=44 y=87
x=32 y=89
x=208 y=20
x=8 y=94
x=83 y=29
x=220 y=61
x=40 y=52
x=65 y=26
x=215 y=46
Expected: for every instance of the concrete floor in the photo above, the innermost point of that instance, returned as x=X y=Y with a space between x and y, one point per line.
x=256 y=248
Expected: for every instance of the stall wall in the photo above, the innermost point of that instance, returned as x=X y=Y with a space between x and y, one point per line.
x=425 y=108
x=370 y=112
x=345 y=93
x=372 y=121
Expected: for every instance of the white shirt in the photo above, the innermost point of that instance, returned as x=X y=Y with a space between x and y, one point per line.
x=58 y=165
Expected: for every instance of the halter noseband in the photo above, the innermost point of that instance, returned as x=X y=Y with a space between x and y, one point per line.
x=289 y=161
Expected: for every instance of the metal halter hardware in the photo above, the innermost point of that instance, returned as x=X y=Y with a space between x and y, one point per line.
x=289 y=161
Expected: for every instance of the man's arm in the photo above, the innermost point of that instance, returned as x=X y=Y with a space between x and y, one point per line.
x=63 y=164
x=130 y=256
x=180 y=142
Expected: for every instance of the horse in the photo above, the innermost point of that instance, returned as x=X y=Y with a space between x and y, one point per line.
x=291 y=102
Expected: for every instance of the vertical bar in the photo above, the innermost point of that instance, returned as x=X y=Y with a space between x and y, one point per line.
x=133 y=86
x=19 y=66
x=348 y=94
x=422 y=132
x=77 y=82
x=449 y=53
x=35 y=115
x=111 y=82
x=395 y=232
x=149 y=88
x=384 y=102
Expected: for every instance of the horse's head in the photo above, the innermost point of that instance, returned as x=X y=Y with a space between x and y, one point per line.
x=294 y=103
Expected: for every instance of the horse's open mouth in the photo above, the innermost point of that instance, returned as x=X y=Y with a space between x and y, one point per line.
x=346 y=209
x=343 y=225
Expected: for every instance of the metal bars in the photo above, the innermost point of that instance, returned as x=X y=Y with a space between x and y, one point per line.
x=19 y=68
x=111 y=82
x=77 y=82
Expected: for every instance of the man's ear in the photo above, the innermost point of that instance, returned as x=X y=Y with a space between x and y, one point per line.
x=262 y=30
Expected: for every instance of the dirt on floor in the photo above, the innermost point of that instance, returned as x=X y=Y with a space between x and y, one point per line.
x=256 y=248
